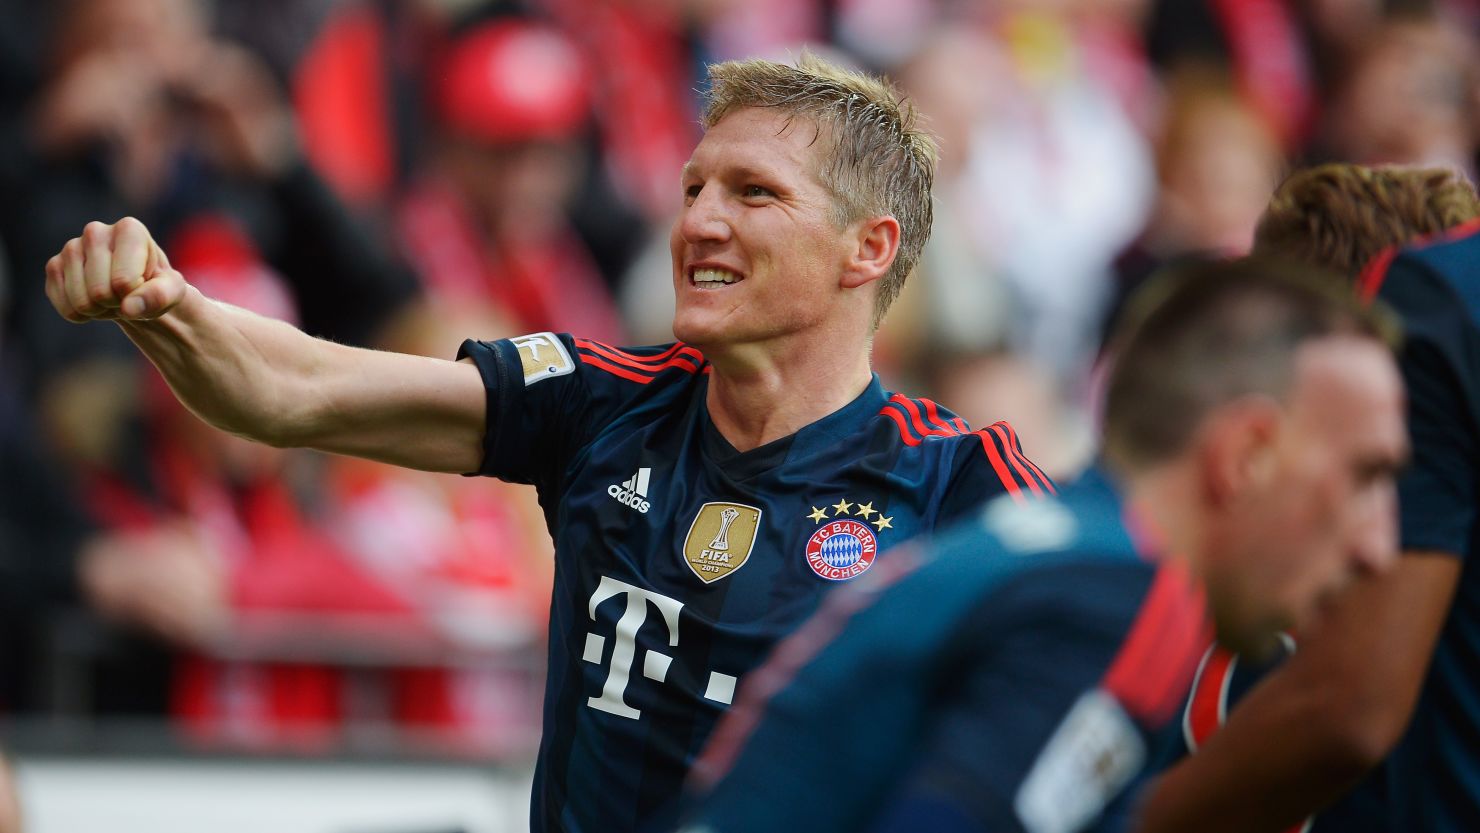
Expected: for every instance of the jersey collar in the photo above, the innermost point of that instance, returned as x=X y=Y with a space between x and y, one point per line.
x=811 y=439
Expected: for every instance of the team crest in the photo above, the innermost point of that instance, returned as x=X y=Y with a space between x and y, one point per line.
x=720 y=539
x=543 y=357
x=845 y=546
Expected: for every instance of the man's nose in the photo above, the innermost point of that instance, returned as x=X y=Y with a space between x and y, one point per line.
x=705 y=218
x=1375 y=534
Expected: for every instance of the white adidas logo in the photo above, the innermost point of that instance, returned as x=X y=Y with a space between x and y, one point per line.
x=633 y=491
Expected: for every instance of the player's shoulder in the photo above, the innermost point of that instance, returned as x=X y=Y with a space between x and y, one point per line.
x=1009 y=537
x=918 y=422
x=1429 y=276
x=925 y=427
x=675 y=362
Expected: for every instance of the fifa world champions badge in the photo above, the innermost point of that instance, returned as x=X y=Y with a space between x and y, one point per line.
x=846 y=546
x=720 y=539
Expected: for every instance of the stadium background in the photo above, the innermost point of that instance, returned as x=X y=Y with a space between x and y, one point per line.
x=196 y=629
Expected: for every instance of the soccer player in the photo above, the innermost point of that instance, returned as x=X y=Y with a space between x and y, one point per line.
x=1388 y=675
x=1011 y=674
x=703 y=496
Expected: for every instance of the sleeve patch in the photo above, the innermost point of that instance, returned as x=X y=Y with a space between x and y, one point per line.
x=543 y=357
x=1092 y=756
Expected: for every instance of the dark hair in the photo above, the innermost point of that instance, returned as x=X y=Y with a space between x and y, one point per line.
x=1340 y=216
x=1201 y=335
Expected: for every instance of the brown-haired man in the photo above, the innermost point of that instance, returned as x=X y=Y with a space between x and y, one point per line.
x=1309 y=731
x=701 y=502
x=1016 y=672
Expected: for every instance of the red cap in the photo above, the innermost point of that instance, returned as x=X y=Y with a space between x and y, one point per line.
x=512 y=80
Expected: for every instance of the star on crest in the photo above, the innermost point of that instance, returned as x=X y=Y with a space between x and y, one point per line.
x=882 y=522
x=818 y=515
x=865 y=509
x=841 y=507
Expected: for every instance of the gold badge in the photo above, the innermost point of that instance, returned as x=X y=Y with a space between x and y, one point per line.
x=543 y=357
x=720 y=539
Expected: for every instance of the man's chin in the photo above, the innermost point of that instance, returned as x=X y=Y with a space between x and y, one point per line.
x=1257 y=645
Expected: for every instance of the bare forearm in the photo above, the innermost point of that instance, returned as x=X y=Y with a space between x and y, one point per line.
x=264 y=379
x=1270 y=767
x=232 y=368
x=268 y=381
x=1316 y=725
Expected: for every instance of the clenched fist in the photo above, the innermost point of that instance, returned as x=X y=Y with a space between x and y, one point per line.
x=113 y=272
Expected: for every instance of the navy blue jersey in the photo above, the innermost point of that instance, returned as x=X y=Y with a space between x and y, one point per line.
x=680 y=560
x=1431 y=781
x=1009 y=675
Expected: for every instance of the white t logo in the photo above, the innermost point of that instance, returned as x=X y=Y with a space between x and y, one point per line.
x=624 y=650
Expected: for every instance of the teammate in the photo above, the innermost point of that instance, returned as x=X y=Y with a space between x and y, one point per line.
x=1344 y=701
x=1010 y=675
x=702 y=496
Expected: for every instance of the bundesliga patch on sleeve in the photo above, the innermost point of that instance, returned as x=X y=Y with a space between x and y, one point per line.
x=543 y=357
x=1092 y=756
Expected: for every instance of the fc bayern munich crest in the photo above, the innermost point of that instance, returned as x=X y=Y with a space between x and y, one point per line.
x=842 y=549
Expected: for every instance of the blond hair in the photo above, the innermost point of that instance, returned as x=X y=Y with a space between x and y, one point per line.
x=877 y=160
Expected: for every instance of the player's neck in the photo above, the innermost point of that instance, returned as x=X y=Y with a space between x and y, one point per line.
x=756 y=399
x=1165 y=498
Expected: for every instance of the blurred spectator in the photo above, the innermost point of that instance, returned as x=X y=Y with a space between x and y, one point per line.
x=1409 y=98
x=1048 y=211
x=1265 y=47
x=1217 y=163
x=143 y=113
x=488 y=224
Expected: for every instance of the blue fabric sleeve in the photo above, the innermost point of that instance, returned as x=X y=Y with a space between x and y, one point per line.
x=1437 y=491
x=930 y=705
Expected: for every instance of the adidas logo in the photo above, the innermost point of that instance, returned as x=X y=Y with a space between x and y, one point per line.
x=633 y=491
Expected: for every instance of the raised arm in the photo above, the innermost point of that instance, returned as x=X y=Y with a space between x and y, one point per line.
x=264 y=379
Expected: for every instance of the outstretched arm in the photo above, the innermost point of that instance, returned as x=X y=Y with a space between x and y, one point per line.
x=264 y=379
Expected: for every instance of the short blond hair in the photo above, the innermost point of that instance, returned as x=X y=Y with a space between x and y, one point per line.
x=877 y=160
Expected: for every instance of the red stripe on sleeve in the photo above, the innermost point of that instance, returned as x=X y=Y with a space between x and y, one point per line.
x=917 y=419
x=904 y=431
x=1017 y=449
x=663 y=360
x=1374 y=274
x=1000 y=466
x=1017 y=466
x=596 y=361
x=1150 y=674
x=1369 y=282
x=932 y=411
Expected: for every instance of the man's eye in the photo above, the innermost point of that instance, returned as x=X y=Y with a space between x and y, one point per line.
x=757 y=191
x=691 y=193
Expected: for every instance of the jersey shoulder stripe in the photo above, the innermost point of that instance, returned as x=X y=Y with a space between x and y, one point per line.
x=1026 y=468
x=1375 y=273
x=921 y=419
x=1160 y=653
x=639 y=367
x=998 y=442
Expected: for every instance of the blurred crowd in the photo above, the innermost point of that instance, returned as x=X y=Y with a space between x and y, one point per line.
x=404 y=174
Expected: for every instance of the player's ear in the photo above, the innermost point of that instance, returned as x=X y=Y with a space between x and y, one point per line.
x=1239 y=444
x=876 y=244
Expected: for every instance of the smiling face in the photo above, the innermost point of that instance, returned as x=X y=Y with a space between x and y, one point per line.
x=1322 y=508
x=758 y=257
